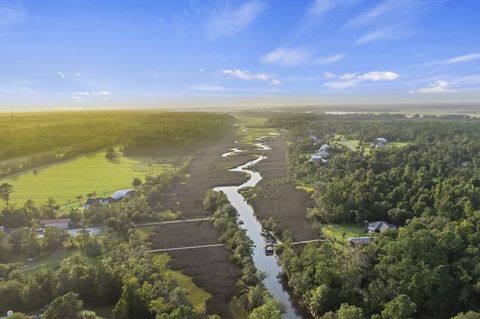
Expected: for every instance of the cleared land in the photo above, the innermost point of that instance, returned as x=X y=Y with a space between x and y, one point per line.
x=278 y=198
x=341 y=232
x=85 y=174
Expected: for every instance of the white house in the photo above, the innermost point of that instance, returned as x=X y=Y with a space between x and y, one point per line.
x=379 y=142
x=62 y=223
x=324 y=148
x=359 y=241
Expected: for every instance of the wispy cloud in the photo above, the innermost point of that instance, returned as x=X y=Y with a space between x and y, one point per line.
x=207 y=87
x=100 y=95
x=349 y=80
x=379 y=76
x=251 y=76
x=317 y=10
x=460 y=59
x=61 y=74
x=287 y=56
x=246 y=75
x=390 y=19
x=437 y=87
x=330 y=59
x=387 y=33
x=329 y=75
x=10 y=16
x=227 y=21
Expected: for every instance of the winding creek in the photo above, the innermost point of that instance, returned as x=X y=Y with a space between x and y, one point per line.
x=264 y=263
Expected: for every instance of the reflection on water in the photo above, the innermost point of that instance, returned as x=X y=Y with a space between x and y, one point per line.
x=263 y=262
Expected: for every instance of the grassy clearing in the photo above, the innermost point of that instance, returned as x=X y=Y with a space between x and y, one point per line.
x=305 y=188
x=196 y=295
x=399 y=144
x=251 y=135
x=51 y=261
x=339 y=232
x=252 y=121
x=145 y=231
x=81 y=176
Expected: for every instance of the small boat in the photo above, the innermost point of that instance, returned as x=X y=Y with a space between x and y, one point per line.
x=269 y=250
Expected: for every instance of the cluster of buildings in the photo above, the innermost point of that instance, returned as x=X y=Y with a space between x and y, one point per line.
x=323 y=153
x=372 y=228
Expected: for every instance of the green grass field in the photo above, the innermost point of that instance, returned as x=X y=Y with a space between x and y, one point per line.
x=196 y=295
x=85 y=174
x=337 y=231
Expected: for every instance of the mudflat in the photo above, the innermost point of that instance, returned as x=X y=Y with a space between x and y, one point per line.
x=206 y=170
x=278 y=198
x=209 y=268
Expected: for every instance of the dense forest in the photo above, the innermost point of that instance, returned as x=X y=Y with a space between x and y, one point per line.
x=32 y=139
x=426 y=182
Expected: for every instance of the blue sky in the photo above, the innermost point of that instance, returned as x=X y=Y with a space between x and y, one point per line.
x=74 y=54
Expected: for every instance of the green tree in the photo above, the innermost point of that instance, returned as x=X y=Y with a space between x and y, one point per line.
x=345 y=312
x=270 y=310
x=399 y=308
x=66 y=306
x=468 y=315
x=5 y=191
x=136 y=182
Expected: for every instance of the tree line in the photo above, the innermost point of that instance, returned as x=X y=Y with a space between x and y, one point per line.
x=430 y=188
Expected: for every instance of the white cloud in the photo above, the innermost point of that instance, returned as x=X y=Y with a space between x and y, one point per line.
x=330 y=59
x=78 y=74
x=338 y=85
x=437 y=87
x=276 y=82
x=349 y=80
x=246 y=75
x=379 y=76
x=227 y=22
x=207 y=87
x=287 y=56
x=348 y=76
x=101 y=95
x=463 y=58
x=61 y=74
x=329 y=75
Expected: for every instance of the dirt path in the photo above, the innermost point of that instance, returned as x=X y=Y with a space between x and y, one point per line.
x=278 y=198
